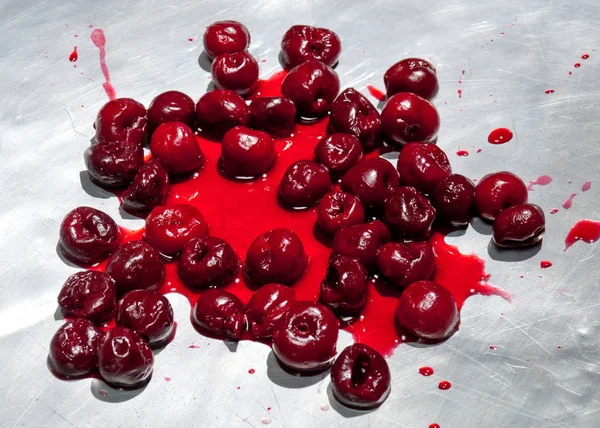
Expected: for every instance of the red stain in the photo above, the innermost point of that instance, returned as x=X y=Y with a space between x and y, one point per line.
x=193 y=346
x=559 y=347
x=251 y=371
x=576 y=65
x=542 y=180
x=459 y=93
x=478 y=151
x=444 y=385
x=545 y=264
x=584 y=230
x=462 y=153
x=191 y=39
x=167 y=378
x=500 y=136
x=570 y=73
x=586 y=186
x=99 y=41
x=376 y=93
x=493 y=347
x=585 y=56
x=74 y=56
x=569 y=202
x=434 y=426
x=553 y=210
x=549 y=91
x=426 y=371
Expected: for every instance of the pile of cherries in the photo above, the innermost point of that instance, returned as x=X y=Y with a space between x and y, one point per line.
x=379 y=218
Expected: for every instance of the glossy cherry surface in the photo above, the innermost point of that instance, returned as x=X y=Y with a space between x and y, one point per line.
x=207 y=262
x=247 y=153
x=275 y=115
x=124 y=359
x=122 y=120
x=352 y=113
x=225 y=37
x=74 y=349
x=266 y=308
x=113 y=163
x=220 y=110
x=454 y=199
x=89 y=294
x=276 y=256
x=136 y=266
x=236 y=71
x=304 y=43
x=338 y=152
x=428 y=311
x=407 y=117
x=168 y=228
x=149 y=189
x=149 y=314
x=304 y=183
x=423 y=166
x=87 y=236
x=361 y=242
x=171 y=106
x=338 y=210
x=402 y=264
x=372 y=180
x=306 y=339
x=497 y=191
x=409 y=214
x=175 y=146
x=519 y=226
x=412 y=75
x=219 y=313
x=360 y=377
x=344 y=288
x=312 y=86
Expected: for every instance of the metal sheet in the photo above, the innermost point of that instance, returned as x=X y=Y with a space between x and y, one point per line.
x=47 y=110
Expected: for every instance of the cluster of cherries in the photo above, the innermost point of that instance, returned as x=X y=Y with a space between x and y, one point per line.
x=379 y=219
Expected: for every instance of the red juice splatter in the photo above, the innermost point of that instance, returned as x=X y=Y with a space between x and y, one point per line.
x=500 y=136
x=462 y=153
x=426 y=371
x=251 y=371
x=553 y=210
x=549 y=91
x=478 y=151
x=576 y=65
x=585 y=56
x=459 y=93
x=191 y=39
x=462 y=72
x=434 y=426
x=444 y=385
x=570 y=73
x=268 y=409
x=376 y=93
x=167 y=378
x=584 y=230
x=542 y=180
x=586 y=186
x=569 y=202
x=74 y=56
x=493 y=347
x=99 y=41
x=545 y=264
x=559 y=347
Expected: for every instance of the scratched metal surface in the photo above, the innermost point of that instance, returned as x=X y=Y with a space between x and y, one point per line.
x=47 y=110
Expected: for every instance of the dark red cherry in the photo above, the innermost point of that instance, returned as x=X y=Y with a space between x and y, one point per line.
x=247 y=153
x=498 y=191
x=454 y=198
x=266 y=308
x=169 y=228
x=171 y=106
x=412 y=75
x=220 y=110
x=136 y=266
x=362 y=242
x=236 y=71
x=312 y=86
x=113 y=163
x=175 y=146
x=403 y=264
x=372 y=180
x=338 y=210
x=352 y=113
x=275 y=115
x=428 y=311
x=306 y=339
x=219 y=313
x=344 y=288
x=121 y=121
x=88 y=236
x=149 y=189
x=276 y=256
x=149 y=314
x=360 y=377
x=304 y=43
x=423 y=166
x=125 y=360
x=519 y=226
x=338 y=152
x=74 y=349
x=407 y=117
x=207 y=262
x=409 y=214
x=225 y=37
x=89 y=294
x=304 y=183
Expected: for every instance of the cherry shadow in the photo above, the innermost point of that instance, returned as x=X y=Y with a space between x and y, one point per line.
x=108 y=394
x=286 y=379
x=512 y=254
x=204 y=61
x=58 y=315
x=62 y=257
x=92 y=189
x=481 y=226
x=346 y=412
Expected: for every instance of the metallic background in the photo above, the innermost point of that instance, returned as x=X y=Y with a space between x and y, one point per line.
x=46 y=117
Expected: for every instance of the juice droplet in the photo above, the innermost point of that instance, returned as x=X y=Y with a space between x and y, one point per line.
x=459 y=93
x=167 y=378
x=74 y=56
x=444 y=385
x=542 y=180
x=324 y=407
x=99 y=41
x=493 y=347
x=434 y=426
x=585 y=56
x=569 y=202
x=376 y=93
x=191 y=39
x=577 y=65
x=426 y=371
x=549 y=91
x=500 y=136
x=251 y=371
x=584 y=230
x=586 y=186
x=545 y=264
x=553 y=210
x=462 y=153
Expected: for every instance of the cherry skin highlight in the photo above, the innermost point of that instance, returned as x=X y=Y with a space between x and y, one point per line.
x=361 y=242
x=171 y=106
x=225 y=37
x=412 y=75
x=402 y=264
x=344 y=288
x=174 y=145
x=372 y=180
x=306 y=339
x=454 y=199
x=247 y=153
x=303 y=43
x=219 y=313
x=519 y=226
x=409 y=214
x=121 y=121
x=407 y=117
x=274 y=115
x=304 y=183
x=113 y=164
x=89 y=294
x=236 y=71
x=497 y=191
x=266 y=309
x=338 y=210
x=148 y=190
x=74 y=349
x=360 y=377
x=136 y=266
x=338 y=153
x=207 y=262
x=220 y=110
x=423 y=166
x=88 y=236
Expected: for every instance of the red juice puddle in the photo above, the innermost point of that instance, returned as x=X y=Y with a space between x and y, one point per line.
x=569 y=202
x=549 y=91
x=462 y=153
x=100 y=42
x=584 y=230
x=586 y=186
x=545 y=264
x=576 y=65
x=500 y=136
x=251 y=371
x=459 y=91
x=426 y=371
x=74 y=56
x=542 y=180
x=553 y=210
x=585 y=56
x=376 y=93
x=444 y=385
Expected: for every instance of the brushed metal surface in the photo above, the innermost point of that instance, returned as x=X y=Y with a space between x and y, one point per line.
x=46 y=117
